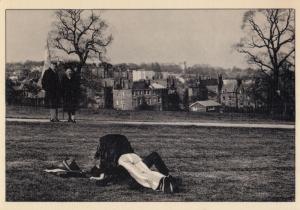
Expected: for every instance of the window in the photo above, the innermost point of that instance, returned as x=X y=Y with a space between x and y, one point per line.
x=210 y=108
x=117 y=102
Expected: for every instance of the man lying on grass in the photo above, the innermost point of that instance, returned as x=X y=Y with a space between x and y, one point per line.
x=118 y=162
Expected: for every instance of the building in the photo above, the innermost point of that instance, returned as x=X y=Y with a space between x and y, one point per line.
x=229 y=93
x=205 y=106
x=122 y=99
x=142 y=95
x=212 y=92
x=142 y=74
x=234 y=94
x=148 y=96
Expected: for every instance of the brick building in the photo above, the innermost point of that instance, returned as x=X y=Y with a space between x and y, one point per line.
x=142 y=95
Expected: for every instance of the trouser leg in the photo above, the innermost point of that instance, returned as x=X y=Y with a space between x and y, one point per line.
x=56 y=113
x=69 y=115
x=73 y=115
x=155 y=159
x=52 y=114
x=139 y=171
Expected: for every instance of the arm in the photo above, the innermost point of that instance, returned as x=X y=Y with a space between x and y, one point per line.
x=45 y=80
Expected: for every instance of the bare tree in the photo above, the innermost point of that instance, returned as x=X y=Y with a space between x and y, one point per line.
x=269 y=43
x=81 y=33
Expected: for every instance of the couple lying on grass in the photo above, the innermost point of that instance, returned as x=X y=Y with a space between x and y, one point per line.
x=119 y=163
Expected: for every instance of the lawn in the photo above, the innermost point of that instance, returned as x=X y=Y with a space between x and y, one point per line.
x=216 y=164
x=169 y=116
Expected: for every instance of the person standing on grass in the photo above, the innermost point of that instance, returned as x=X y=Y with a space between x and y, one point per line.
x=51 y=85
x=70 y=94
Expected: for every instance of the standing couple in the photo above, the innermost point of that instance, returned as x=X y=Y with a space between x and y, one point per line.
x=66 y=88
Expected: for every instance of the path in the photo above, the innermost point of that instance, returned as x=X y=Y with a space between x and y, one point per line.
x=199 y=124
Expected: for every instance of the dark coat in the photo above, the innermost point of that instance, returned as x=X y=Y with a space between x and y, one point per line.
x=110 y=148
x=51 y=84
x=70 y=91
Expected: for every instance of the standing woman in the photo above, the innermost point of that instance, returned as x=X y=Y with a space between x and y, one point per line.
x=70 y=94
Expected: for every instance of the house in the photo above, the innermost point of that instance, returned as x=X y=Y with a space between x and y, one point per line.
x=212 y=92
x=122 y=99
x=235 y=94
x=142 y=74
x=245 y=95
x=229 y=93
x=196 y=90
x=205 y=106
x=142 y=95
x=123 y=77
x=148 y=96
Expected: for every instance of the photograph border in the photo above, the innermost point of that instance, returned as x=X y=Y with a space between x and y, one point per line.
x=138 y=5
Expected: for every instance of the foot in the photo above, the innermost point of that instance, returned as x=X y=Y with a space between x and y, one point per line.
x=165 y=185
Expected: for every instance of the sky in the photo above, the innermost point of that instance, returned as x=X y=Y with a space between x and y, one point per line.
x=166 y=36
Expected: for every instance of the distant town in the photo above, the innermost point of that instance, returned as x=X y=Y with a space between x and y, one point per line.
x=144 y=87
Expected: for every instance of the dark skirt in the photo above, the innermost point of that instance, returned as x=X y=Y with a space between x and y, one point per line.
x=70 y=103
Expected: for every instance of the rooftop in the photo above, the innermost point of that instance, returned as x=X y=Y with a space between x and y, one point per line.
x=157 y=86
x=206 y=103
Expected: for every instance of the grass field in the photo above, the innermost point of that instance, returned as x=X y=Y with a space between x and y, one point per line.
x=216 y=164
x=169 y=116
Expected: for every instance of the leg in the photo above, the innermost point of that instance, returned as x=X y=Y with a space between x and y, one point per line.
x=73 y=115
x=52 y=114
x=56 y=114
x=155 y=159
x=69 y=116
x=139 y=171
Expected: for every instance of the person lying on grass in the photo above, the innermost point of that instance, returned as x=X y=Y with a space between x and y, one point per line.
x=118 y=162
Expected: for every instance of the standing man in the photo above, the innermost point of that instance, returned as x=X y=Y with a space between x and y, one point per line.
x=51 y=85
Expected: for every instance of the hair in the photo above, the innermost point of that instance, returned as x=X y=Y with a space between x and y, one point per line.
x=72 y=71
x=54 y=63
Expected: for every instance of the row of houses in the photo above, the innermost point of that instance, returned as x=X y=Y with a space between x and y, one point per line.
x=121 y=88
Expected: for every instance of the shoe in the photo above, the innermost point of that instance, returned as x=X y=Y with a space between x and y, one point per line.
x=95 y=171
x=70 y=120
x=56 y=120
x=72 y=166
x=73 y=121
x=52 y=120
x=166 y=185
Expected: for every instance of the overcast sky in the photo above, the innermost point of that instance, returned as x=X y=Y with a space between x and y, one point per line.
x=168 y=36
